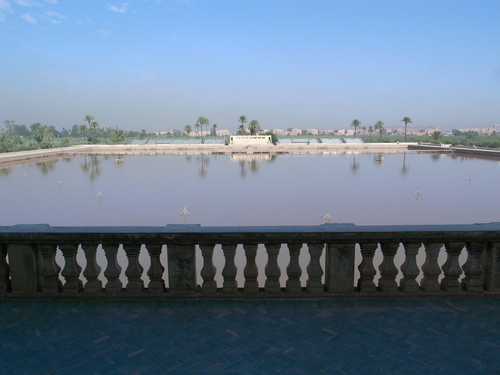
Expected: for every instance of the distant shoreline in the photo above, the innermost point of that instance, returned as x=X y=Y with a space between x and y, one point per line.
x=16 y=158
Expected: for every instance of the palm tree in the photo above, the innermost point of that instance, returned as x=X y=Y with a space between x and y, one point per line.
x=364 y=130
x=203 y=121
x=188 y=130
x=436 y=135
x=143 y=134
x=94 y=128
x=354 y=124
x=89 y=118
x=118 y=135
x=42 y=133
x=243 y=120
x=214 y=130
x=370 y=130
x=407 y=121
x=197 y=126
x=254 y=127
x=82 y=129
x=379 y=127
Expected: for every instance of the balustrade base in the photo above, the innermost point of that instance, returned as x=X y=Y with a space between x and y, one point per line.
x=240 y=295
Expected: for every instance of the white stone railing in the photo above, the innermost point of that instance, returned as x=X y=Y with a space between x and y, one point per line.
x=82 y=263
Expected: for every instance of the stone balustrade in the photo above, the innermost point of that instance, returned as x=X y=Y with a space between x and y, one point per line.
x=40 y=262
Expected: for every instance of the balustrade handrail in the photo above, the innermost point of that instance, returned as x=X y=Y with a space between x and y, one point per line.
x=195 y=233
x=28 y=266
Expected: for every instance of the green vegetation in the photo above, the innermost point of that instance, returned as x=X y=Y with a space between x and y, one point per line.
x=274 y=137
x=16 y=137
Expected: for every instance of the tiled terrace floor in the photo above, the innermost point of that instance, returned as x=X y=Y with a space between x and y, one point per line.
x=346 y=337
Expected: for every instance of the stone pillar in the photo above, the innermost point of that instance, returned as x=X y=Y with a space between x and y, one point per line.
x=431 y=268
x=314 y=270
x=208 y=271
x=451 y=268
x=25 y=263
x=409 y=268
x=134 y=270
x=293 y=270
x=72 y=269
x=229 y=271
x=182 y=268
x=251 y=272
x=472 y=268
x=92 y=270
x=388 y=271
x=113 y=270
x=366 y=269
x=272 y=269
x=339 y=269
x=50 y=270
x=491 y=266
x=4 y=270
x=155 y=273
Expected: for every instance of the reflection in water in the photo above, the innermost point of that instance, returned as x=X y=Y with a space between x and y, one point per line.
x=6 y=171
x=417 y=193
x=91 y=166
x=204 y=160
x=469 y=180
x=404 y=169
x=99 y=196
x=46 y=166
x=252 y=161
x=354 y=165
x=379 y=159
x=435 y=157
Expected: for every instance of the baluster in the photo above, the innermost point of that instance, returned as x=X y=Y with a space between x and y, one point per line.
x=4 y=270
x=340 y=268
x=451 y=267
x=388 y=271
x=134 y=269
x=155 y=273
x=491 y=267
x=92 y=270
x=208 y=271
x=229 y=271
x=366 y=269
x=314 y=270
x=472 y=267
x=409 y=267
x=431 y=268
x=293 y=270
x=181 y=268
x=71 y=271
x=50 y=270
x=272 y=269
x=113 y=270
x=251 y=272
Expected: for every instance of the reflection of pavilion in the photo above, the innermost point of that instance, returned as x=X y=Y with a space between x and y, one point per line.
x=253 y=157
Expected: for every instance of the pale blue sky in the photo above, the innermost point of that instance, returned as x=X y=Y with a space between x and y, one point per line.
x=160 y=64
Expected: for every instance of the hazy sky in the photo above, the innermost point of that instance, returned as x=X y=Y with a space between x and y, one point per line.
x=160 y=64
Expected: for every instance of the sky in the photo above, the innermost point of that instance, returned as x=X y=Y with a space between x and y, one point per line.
x=161 y=64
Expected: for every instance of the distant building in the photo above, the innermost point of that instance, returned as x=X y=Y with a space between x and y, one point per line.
x=416 y=130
